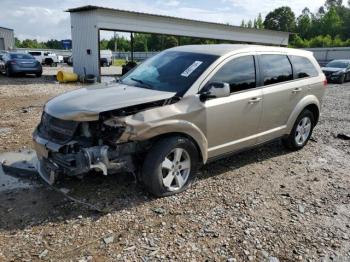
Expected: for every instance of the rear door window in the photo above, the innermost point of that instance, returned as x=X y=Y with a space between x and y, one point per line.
x=275 y=69
x=239 y=73
x=303 y=67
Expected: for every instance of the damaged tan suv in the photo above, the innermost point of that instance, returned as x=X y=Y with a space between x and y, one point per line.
x=179 y=109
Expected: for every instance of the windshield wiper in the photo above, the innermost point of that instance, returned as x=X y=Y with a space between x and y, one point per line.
x=141 y=82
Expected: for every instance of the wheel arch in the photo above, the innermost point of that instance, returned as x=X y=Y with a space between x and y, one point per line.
x=175 y=127
x=184 y=135
x=315 y=111
x=309 y=102
x=48 y=60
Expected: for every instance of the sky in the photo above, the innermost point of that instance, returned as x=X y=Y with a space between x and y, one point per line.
x=47 y=19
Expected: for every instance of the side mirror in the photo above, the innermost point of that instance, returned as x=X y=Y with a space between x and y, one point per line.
x=216 y=90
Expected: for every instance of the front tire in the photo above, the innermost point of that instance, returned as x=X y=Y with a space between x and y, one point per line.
x=8 y=72
x=341 y=79
x=301 y=131
x=170 y=166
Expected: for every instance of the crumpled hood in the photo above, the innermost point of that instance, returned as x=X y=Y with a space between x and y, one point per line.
x=332 y=69
x=85 y=104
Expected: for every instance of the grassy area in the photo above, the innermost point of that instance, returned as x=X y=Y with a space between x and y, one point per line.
x=119 y=62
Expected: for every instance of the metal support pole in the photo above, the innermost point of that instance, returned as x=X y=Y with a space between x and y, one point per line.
x=115 y=47
x=132 y=46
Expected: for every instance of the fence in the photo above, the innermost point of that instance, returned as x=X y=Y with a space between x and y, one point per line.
x=324 y=55
x=56 y=51
x=139 y=56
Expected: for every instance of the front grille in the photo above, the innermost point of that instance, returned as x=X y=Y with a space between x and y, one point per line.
x=328 y=73
x=57 y=130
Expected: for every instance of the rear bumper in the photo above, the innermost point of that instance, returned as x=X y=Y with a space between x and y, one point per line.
x=27 y=70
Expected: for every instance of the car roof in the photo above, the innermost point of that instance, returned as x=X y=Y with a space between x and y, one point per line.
x=17 y=53
x=223 y=49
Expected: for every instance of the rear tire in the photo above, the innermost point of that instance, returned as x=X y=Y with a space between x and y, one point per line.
x=301 y=132
x=170 y=166
x=38 y=74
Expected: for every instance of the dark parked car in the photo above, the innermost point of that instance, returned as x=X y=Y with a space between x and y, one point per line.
x=337 y=71
x=20 y=63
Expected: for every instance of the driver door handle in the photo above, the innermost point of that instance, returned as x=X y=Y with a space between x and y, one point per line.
x=297 y=90
x=254 y=100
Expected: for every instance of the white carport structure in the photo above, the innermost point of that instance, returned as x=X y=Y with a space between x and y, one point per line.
x=87 y=21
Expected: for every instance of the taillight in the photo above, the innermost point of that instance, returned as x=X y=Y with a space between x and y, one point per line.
x=12 y=62
x=325 y=83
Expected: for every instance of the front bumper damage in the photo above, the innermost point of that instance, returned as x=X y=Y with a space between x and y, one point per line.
x=53 y=163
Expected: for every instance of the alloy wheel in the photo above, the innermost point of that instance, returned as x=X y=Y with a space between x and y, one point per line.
x=176 y=169
x=302 y=131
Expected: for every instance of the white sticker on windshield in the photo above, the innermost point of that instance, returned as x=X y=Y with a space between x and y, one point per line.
x=191 y=68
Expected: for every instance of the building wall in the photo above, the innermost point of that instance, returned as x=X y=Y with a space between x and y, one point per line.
x=85 y=37
x=9 y=38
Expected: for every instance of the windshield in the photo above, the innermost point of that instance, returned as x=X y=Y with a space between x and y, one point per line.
x=170 y=71
x=338 y=64
x=21 y=56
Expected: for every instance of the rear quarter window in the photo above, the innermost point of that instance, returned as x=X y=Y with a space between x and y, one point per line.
x=303 y=67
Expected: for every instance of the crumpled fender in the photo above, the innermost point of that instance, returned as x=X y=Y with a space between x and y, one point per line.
x=184 y=117
x=174 y=126
x=307 y=100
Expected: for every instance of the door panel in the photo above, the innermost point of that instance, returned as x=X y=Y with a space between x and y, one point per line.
x=233 y=122
x=279 y=102
x=280 y=94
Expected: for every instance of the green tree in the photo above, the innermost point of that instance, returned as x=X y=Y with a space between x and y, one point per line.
x=18 y=42
x=123 y=44
x=321 y=41
x=250 y=24
x=53 y=44
x=331 y=23
x=259 y=22
x=170 y=41
x=29 y=43
x=304 y=24
x=103 y=44
x=338 y=42
x=281 y=19
x=298 y=42
x=333 y=3
x=243 y=23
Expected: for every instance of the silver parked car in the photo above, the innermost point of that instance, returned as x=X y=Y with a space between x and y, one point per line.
x=181 y=108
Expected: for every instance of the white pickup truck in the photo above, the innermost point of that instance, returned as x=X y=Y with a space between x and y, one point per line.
x=46 y=57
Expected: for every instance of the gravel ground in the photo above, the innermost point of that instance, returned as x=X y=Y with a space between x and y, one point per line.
x=266 y=204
